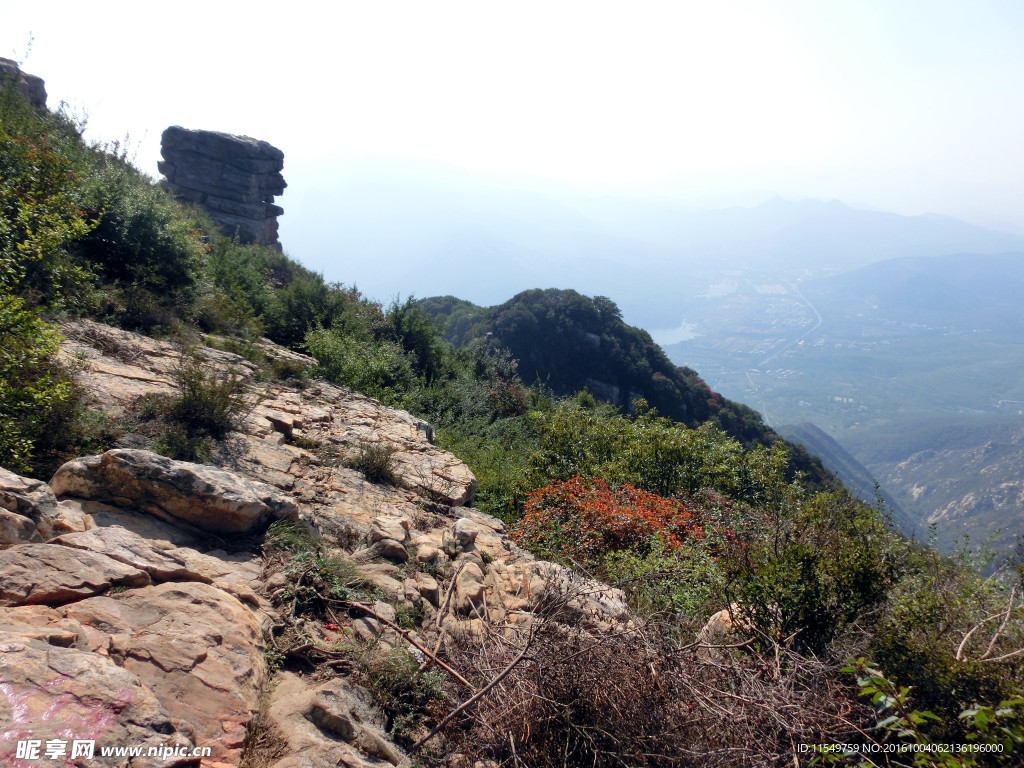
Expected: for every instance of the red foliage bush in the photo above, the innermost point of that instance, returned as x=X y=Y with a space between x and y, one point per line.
x=507 y=398
x=585 y=519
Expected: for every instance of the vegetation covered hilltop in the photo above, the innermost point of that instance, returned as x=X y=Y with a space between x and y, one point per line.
x=841 y=630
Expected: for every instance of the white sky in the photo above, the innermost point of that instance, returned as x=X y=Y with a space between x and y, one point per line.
x=906 y=106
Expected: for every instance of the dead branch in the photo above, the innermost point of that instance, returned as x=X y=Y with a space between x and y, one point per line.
x=472 y=700
x=984 y=657
x=405 y=633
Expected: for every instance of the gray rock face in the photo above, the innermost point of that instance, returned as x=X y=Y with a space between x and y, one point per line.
x=234 y=178
x=31 y=87
x=177 y=492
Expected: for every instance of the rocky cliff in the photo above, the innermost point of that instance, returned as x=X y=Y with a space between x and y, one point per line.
x=234 y=178
x=30 y=86
x=141 y=607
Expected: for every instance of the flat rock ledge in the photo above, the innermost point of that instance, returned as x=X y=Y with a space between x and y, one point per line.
x=180 y=492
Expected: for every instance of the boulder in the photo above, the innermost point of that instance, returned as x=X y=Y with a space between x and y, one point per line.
x=178 y=492
x=21 y=499
x=129 y=548
x=329 y=724
x=31 y=87
x=469 y=590
x=43 y=623
x=16 y=529
x=465 y=532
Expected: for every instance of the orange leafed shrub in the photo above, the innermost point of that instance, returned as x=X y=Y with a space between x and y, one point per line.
x=585 y=519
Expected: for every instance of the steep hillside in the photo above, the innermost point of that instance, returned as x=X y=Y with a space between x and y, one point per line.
x=854 y=475
x=569 y=342
x=145 y=603
x=902 y=358
x=963 y=476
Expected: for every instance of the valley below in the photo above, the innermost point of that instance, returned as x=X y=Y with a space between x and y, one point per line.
x=913 y=365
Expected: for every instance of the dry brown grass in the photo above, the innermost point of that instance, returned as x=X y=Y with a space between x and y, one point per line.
x=630 y=699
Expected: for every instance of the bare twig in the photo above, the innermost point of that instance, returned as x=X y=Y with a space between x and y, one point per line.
x=995 y=635
x=472 y=700
x=1002 y=626
x=441 y=612
x=406 y=634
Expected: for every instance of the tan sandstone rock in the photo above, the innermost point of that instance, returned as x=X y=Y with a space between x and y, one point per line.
x=329 y=724
x=129 y=548
x=24 y=499
x=194 y=639
x=198 y=649
x=48 y=692
x=47 y=574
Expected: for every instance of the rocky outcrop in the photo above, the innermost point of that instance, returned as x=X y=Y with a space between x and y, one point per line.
x=135 y=608
x=30 y=86
x=197 y=648
x=53 y=693
x=177 y=492
x=105 y=637
x=119 y=367
x=234 y=178
x=25 y=506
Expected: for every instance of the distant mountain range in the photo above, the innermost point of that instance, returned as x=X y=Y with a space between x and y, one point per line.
x=914 y=365
x=957 y=291
x=439 y=232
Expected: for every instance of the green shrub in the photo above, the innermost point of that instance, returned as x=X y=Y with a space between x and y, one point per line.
x=811 y=565
x=303 y=301
x=404 y=694
x=144 y=238
x=285 y=535
x=985 y=734
x=45 y=204
x=285 y=369
x=380 y=369
x=655 y=454
x=685 y=582
x=208 y=404
x=376 y=461
x=31 y=387
x=209 y=401
x=936 y=604
x=416 y=333
x=501 y=458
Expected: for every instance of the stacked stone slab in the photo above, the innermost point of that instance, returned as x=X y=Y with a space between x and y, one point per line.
x=31 y=87
x=234 y=178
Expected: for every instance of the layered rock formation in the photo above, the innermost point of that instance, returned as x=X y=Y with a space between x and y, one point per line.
x=135 y=609
x=31 y=86
x=234 y=178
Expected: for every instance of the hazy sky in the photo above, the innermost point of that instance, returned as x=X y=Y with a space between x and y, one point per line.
x=906 y=106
